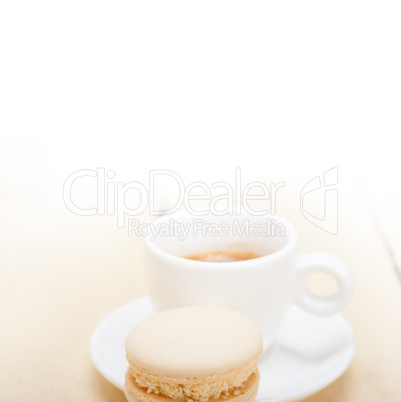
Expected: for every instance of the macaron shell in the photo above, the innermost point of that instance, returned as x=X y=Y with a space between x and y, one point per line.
x=134 y=393
x=194 y=341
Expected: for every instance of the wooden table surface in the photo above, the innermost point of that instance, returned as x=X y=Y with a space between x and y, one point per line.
x=61 y=273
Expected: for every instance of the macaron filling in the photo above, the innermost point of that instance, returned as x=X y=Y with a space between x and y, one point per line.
x=211 y=388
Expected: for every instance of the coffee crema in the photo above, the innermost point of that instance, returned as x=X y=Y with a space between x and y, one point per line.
x=223 y=256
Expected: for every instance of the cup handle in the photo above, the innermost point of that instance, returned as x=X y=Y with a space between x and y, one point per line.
x=337 y=269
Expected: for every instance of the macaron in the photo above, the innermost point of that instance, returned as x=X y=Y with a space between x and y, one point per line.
x=196 y=353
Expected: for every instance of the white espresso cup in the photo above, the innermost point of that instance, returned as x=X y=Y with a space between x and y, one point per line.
x=263 y=288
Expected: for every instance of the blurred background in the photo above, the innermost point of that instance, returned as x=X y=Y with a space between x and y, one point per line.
x=278 y=89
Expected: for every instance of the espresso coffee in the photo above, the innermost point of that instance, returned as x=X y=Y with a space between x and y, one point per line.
x=224 y=256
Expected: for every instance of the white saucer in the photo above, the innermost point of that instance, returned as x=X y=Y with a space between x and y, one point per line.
x=309 y=354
